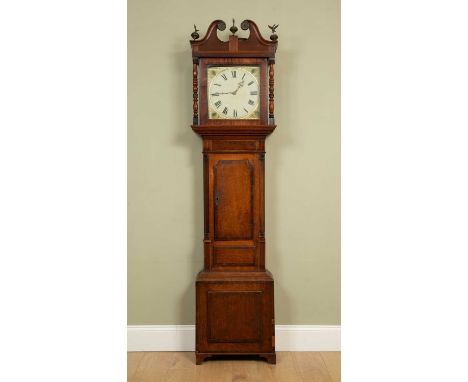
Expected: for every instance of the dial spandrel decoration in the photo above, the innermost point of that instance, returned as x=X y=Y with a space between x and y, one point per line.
x=233 y=92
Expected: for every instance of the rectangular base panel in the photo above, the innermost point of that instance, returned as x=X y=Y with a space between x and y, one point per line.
x=235 y=314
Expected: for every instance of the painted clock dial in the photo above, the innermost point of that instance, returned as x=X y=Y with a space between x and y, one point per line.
x=233 y=92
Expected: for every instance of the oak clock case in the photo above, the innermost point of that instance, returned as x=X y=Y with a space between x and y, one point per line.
x=233 y=111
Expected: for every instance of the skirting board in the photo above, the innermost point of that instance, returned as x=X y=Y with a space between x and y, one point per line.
x=182 y=338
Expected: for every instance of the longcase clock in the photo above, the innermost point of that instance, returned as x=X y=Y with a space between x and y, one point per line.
x=233 y=111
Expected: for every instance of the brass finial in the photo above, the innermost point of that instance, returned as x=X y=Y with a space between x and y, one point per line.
x=195 y=34
x=233 y=29
x=274 y=36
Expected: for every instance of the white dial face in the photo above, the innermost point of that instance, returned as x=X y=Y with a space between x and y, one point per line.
x=233 y=92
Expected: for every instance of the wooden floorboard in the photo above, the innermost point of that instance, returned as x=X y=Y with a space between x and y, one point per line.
x=133 y=361
x=332 y=361
x=180 y=367
x=311 y=367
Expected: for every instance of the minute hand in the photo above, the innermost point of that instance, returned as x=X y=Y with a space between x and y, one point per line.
x=238 y=87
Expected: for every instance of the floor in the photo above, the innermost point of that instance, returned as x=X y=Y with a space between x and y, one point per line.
x=180 y=367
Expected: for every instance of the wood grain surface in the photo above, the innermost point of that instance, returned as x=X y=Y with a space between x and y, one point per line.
x=180 y=367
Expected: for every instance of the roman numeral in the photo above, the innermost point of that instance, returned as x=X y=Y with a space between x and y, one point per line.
x=225 y=110
x=234 y=113
x=244 y=75
x=217 y=84
x=224 y=76
x=218 y=104
x=250 y=83
x=254 y=92
x=233 y=74
x=251 y=102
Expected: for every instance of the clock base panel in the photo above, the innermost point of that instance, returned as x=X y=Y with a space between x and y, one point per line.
x=235 y=314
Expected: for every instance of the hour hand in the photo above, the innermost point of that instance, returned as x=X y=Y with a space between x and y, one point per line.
x=219 y=93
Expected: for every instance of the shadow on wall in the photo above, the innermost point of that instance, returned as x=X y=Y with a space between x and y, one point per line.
x=275 y=144
x=184 y=136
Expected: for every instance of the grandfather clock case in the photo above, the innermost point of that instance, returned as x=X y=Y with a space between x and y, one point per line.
x=233 y=111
